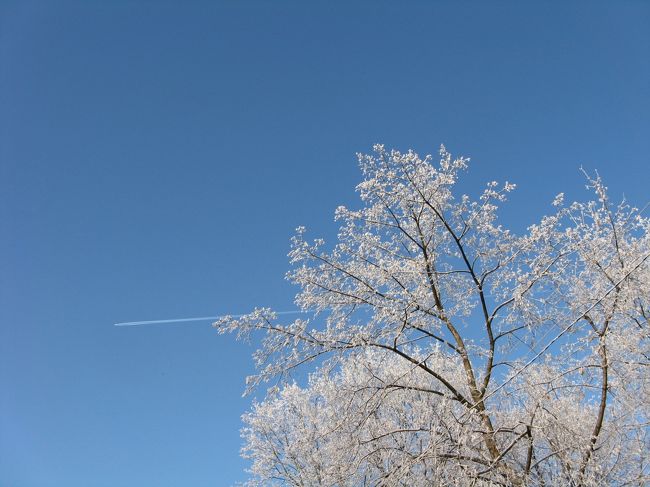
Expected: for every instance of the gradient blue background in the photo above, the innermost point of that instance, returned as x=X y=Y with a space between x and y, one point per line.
x=155 y=158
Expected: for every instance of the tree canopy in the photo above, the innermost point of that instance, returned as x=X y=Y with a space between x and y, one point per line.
x=450 y=350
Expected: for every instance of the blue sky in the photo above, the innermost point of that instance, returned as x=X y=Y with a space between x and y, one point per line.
x=155 y=158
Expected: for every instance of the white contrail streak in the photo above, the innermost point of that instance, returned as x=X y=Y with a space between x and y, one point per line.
x=202 y=318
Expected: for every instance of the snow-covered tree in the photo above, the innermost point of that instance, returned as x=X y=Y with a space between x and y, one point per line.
x=448 y=350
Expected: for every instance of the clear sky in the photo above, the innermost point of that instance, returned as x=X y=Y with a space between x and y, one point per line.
x=155 y=157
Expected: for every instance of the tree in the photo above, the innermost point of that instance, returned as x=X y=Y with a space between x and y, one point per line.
x=450 y=351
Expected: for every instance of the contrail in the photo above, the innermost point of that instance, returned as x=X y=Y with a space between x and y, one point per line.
x=202 y=318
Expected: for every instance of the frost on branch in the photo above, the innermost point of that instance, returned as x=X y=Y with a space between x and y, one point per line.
x=447 y=350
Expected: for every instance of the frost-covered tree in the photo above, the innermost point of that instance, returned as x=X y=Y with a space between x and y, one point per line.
x=448 y=350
